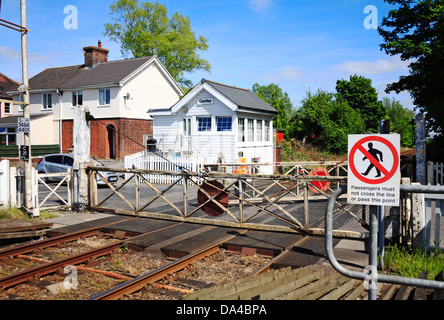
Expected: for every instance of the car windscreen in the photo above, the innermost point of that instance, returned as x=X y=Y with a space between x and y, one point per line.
x=54 y=159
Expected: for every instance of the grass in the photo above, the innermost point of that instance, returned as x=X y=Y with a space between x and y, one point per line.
x=410 y=263
x=17 y=214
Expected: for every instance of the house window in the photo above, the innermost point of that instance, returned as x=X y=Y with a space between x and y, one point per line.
x=223 y=123
x=250 y=129
x=7 y=136
x=186 y=127
x=47 y=101
x=203 y=124
x=259 y=130
x=21 y=99
x=77 y=98
x=241 y=130
x=7 y=108
x=104 y=97
x=267 y=130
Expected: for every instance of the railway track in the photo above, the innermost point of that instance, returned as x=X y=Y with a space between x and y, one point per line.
x=101 y=263
x=36 y=268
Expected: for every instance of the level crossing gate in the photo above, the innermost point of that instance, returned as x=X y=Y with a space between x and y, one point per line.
x=49 y=191
x=293 y=202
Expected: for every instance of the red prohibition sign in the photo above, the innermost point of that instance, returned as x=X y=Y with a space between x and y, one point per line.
x=386 y=174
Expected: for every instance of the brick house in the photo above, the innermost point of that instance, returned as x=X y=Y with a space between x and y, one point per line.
x=6 y=84
x=116 y=93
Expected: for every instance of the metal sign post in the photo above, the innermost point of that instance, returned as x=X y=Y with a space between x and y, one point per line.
x=374 y=179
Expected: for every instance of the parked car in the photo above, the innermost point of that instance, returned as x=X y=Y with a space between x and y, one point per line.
x=60 y=162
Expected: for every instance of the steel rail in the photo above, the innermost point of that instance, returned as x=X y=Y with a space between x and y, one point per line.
x=21 y=249
x=44 y=269
x=155 y=275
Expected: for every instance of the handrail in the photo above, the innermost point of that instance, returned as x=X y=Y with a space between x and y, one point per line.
x=371 y=277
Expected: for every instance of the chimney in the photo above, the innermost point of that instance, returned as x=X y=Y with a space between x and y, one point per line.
x=94 y=55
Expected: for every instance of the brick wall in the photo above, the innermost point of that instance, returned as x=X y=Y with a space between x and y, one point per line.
x=125 y=130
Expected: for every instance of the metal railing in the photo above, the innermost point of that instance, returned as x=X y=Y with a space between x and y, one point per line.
x=370 y=274
x=265 y=202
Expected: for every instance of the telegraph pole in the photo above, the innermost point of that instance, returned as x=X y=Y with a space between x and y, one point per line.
x=24 y=90
x=26 y=111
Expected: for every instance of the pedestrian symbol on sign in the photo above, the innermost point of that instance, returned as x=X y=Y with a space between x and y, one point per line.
x=375 y=153
x=374 y=175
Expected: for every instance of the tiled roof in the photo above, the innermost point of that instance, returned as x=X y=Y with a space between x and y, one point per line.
x=104 y=73
x=53 y=78
x=7 y=84
x=244 y=98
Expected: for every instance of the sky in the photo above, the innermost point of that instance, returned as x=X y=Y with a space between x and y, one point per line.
x=300 y=45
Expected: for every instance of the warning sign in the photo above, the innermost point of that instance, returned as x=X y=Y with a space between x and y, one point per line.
x=374 y=170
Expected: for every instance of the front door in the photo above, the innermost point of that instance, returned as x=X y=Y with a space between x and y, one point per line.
x=111 y=141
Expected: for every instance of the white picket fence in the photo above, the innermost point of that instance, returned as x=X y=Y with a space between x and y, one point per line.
x=433 y=215
x=145 y=161
x=435 y=173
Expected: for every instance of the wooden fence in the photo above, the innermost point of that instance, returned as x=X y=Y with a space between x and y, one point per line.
x=36 y=150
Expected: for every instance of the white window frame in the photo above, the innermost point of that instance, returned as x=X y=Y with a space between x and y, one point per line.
x=241 y=130
x=250 y=130
x=225 y=122
x=45 y=103
x=77 y=94
x=103 y=94
x=187 y=127
x=21 y=99
x=9 y=108
x=259 y=130
x=9 y=132
x=267 y=130
x=208 y=128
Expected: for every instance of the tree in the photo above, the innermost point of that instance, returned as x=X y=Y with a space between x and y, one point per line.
x=401 y=121
x=361 y=96
x=279 y=100
x=415 y=31
x=326 y=121
x=144 y=29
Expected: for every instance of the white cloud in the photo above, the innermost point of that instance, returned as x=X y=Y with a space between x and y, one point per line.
x=286 y=73
x=260 y=5
x=376 y=67
x=10 y=54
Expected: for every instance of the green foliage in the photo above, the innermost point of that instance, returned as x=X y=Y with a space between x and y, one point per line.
x=279 y=100
x=144 y=29
x=401 y=121
x=414 y=30
x=361 y=96
x=13 y=213
x=410 y=263
x=18 y=214
x=326 y=121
